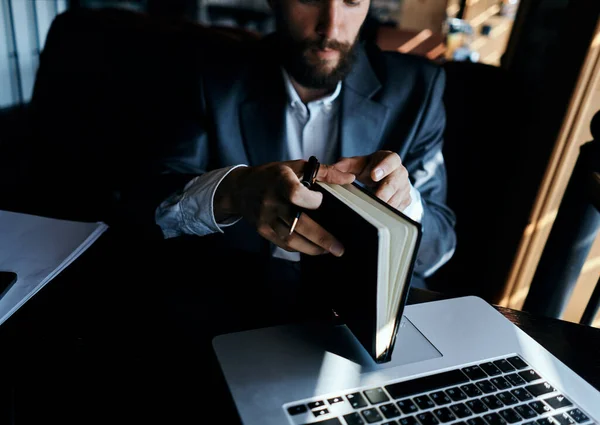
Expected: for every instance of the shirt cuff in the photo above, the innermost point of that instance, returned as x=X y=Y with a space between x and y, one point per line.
x=415 y=208
x=191 y=210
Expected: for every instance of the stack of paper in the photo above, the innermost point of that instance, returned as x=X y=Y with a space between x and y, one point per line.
x=37 y=249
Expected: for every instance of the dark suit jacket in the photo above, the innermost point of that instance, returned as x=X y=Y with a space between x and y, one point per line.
x=389 y=101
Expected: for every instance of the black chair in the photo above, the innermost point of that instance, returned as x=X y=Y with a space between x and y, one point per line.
x=242 y=17
x=489 y=183
x=112 y=87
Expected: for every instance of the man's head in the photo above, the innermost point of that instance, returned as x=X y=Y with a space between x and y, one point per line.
x=318 y=37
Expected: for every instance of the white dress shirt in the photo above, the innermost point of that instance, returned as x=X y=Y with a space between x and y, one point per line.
x=311 y=129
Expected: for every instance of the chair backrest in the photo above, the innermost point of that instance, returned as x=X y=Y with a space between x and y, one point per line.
x=487 y=168
x=111 y=86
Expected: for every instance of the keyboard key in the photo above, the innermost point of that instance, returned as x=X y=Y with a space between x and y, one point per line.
x=477 y=406
x=389 y=410
x=500 y=383
x=332 y=421
x=507 y=398
x=440 y=398
x=356 y=400
x=444 y=414
x=315 y=404
x=494 y=419
x=529 y=375
x=492 y=402
x=540 y=389
x=490 y=368
x=426 y=384
x=376 y=395
x=526 y=411
x=423 y=401
x=407 y=406
x=335 y=400
x=476 y=421
x=540 y=406
x=515 y=379
x=456 y=394
x=321 y=412
x=371 y=415
x=510 y=415
x=474 y=372
x=558 y=401
x=517 y=362
x=461 y=410
x=353 y=419
x=296 y=410
x=522 y=394
x=504 y=365
x=471 y=390
x=563 y=419
x=390 y=423
x=427 y=418
x=545 y=421
x=578 y=415
x=485 y=386
x=408 y=420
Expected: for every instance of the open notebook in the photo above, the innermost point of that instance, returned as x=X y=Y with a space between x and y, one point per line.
x=37 y=249
x=365 y=287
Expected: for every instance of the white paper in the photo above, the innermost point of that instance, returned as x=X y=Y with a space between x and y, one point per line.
x=37 y=249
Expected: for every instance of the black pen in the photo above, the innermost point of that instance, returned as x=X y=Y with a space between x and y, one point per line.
x=308 y=179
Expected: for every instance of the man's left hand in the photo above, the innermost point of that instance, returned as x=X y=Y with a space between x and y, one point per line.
x=383 y=171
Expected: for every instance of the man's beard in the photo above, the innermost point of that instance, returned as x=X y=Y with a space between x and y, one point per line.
x=318 y=75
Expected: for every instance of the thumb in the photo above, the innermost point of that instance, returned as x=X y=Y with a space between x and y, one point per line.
x=352 y=165
x=332 y=174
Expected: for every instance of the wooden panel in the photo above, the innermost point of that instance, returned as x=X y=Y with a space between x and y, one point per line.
x=422 y=43
x=574 y=132
x=423 y=14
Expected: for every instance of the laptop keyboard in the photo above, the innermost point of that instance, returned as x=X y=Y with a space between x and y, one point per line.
x=504 y=391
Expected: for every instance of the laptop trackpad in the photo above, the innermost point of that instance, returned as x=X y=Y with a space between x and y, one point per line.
x=411 y=346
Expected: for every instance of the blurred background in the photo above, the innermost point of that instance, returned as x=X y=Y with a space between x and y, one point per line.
x=475 y=30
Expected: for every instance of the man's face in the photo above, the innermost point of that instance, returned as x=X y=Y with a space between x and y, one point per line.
x=317 y=38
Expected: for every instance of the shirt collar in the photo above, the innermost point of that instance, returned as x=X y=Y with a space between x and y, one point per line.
x=295 y=99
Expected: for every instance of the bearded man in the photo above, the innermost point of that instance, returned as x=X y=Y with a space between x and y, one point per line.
x=313 y=87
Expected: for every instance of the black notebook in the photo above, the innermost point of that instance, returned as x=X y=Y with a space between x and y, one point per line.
x=367 y=286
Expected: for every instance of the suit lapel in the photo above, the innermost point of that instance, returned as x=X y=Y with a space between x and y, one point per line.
x=262 y=116
x=361 y=117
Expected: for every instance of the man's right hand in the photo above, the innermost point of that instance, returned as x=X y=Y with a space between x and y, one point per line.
x=269 y=195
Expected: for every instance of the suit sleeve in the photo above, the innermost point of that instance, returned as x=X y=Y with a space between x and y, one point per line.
x=427 y=172
x=182 y=157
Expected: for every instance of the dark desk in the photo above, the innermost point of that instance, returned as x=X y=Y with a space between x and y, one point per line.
x=78 y=354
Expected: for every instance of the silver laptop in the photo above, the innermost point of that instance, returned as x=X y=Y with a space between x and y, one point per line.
x=456 y=362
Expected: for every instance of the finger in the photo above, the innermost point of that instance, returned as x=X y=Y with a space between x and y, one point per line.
x=400 y=200
x=292 y=191
x=396 y=182
x=354 y=165
x=302 y=197
x=384 y=165
x=331 y=174
x=295 y=241
x=317 y=235
x=386 y=190
x=269 y=233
